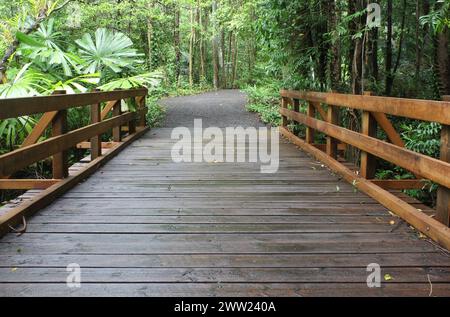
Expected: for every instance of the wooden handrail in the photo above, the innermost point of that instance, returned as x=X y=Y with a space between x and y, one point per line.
x=374 y=110
x=16 y=107
x=426 y=110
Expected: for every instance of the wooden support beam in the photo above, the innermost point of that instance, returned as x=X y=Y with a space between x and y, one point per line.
x=417 y=163
x=60 y=162
x=332 y=143
x=310 y=134
x=25 y=184
x=443 y=195
x=322 y=113
x=109 y=105
x=39 y=128
x=422 y=222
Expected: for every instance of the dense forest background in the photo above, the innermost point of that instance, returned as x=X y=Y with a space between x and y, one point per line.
x=187 y=46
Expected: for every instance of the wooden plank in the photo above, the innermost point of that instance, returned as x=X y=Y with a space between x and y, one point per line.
x=443 y=195
x=223 y=290
x=408 y=108
x=23 y=157
x=104 y=145
x=225 y=275
x=14 y=216
x=16 y=107
x=142 y=110
x=430 y=168
x=27 y=183
x=432 y=228
x=401 y=184
x=400 y=260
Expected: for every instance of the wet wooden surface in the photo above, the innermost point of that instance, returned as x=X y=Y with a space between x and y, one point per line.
x=146 y=226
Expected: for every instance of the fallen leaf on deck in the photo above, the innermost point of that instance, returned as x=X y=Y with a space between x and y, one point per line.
x=387 y=277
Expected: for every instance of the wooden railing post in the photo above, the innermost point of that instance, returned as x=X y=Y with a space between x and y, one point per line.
x=60 y=163
x=96 y=142
x=310 y=133
x=332 y=144
x=117 y=111
x=143 y=112
x=284 y=105
x=443 y=194
x=369 y=128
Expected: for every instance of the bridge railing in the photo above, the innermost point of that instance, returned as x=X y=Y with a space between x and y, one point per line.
x=54 y=115
x=322 y=115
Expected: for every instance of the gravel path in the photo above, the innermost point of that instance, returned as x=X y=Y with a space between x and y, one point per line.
x=223 y=108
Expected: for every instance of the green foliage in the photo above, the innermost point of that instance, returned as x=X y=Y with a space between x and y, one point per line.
x=422 y=137
x=155 y=114
x=26 y=82
x=108 y=50
x=266 y=102
x=149 y=80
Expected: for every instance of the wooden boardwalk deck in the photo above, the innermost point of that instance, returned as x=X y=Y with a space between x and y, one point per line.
x=145 y=226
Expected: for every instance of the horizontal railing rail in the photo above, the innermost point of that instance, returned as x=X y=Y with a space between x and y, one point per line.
x=322 y=115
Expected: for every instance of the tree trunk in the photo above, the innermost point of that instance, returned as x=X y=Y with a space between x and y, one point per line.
x=215 y=44
x=335 y=62
x=443 y=61
x=389 y=74
x=191 y=49
x=176 y=37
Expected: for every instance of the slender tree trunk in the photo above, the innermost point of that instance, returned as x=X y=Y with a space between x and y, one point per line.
x=215 y=45
x=443 y=61
x=389 y=74
x=235 y=60
x=222 y=59
x=177 y=43
x=201 y=50
x=191 y=49
x=150 y=41
x=335 y=62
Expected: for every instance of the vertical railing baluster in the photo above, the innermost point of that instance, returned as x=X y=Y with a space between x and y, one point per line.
x=117 y=111
x=60 y=163
x=443 y=194
x=310 y=133
x=369 y=128
x=332 y=144
x=96 y=141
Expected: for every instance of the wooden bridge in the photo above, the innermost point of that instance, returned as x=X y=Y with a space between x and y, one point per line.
x=143 y=225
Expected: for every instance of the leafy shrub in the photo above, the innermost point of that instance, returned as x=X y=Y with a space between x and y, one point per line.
x=265 y=101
